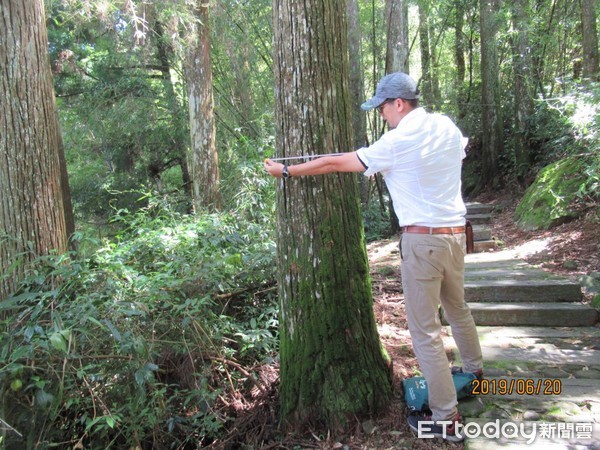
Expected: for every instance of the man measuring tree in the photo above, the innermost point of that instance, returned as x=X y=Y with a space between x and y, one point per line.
x=420 y=158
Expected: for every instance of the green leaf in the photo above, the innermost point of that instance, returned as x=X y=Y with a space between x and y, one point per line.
x=58 y=341
x=12 y=302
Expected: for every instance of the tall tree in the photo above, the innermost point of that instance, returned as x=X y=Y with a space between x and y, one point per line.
x=356 y=74
x=491 y=116
x=357 y=85
x=36 y=216
x=332 y=363
x=459 y=56
x=179 y=142
x=590 y=40
x=203 y=157
x=523 y=76
x=398 y=51
x=429 y=81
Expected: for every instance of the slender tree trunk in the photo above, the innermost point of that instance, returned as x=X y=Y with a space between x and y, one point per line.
x=356 y=71
x=523 y=75
x=396 y=60
x=357 y=86
x=397 y=55
x=491 y=119
x=238 y=54
x=459 y=57
x=36 y=217
x=332 y=363
x=429 y=81
x=203 y=159
x=179 y=142
x=590 y=40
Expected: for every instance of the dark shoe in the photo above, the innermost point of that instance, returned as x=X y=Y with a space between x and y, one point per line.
x=457 y=369
x=425 y=427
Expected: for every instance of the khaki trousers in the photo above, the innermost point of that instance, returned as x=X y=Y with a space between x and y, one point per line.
x=433 y=274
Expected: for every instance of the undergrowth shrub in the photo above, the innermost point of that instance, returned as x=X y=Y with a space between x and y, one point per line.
x=138 y=345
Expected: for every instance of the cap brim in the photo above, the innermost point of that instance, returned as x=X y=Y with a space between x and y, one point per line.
x=374 y=102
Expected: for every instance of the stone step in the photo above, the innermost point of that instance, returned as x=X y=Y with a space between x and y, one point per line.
x=484 y=246
x=532 y=388
x=478 y=208
x=534 y=314
x=558 y=400
x=478 y=219
x=551 y=352
x=536 y=355
x=496 y=335
x=481 y=233
x=520 y=288
x=480 y=272
x=526 y=358
x=530 y=435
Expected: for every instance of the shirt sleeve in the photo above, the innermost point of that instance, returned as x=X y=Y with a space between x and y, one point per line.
x=376 y=158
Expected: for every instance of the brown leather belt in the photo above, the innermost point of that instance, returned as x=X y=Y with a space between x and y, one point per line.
x=434 y=230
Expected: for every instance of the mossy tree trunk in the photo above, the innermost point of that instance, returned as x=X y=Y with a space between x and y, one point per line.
x=332 y=364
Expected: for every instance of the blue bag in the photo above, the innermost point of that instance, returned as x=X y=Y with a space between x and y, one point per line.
x=416 y=393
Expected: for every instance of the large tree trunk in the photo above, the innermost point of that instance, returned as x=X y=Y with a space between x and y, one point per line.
x=590 y=40
x=491 y=117
x=332 y=363
x=396 y=15
x=523 y=75
x=203 y=160
x=35 y=208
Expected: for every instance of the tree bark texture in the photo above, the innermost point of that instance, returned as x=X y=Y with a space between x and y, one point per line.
x=590 y=40
x=397 y=55
x=523 y=75
x=332 y=364
x=460 y=48
x=203 y=159
x=429 y=78
x=35 y=209
x=356 y=68
x=491 y=116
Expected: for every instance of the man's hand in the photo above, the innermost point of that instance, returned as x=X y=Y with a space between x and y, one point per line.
x=274 y=168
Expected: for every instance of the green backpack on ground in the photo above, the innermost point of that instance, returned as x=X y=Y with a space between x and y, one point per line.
x=416 y=393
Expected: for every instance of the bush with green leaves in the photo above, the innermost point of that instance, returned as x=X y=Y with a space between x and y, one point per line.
x=136 y=345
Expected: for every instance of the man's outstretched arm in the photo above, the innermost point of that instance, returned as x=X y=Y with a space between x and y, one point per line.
x=346 y=162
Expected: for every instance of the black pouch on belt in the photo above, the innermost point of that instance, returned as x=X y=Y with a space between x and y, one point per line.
x=469 y=233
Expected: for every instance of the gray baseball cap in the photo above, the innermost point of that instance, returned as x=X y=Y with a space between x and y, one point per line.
x=394 y=85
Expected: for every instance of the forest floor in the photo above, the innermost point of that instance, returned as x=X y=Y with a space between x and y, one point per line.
x=569 y=249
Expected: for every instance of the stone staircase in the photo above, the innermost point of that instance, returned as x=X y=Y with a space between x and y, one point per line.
x=480 y=214
x=541 y=349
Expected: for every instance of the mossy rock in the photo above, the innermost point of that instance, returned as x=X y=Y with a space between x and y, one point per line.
x=549 y=201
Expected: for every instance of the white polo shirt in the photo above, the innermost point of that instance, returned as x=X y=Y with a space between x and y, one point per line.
x=421 y=162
